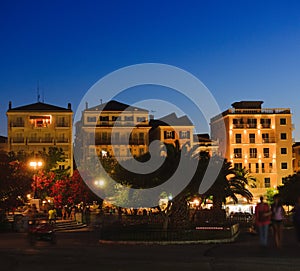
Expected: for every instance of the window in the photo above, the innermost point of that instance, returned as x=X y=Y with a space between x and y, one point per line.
x=142 y=151
x=237 y=153
x=238 y=165
x=283 y=121
x=169 y=134
x=91 y=119
x=263 y=167
x=114 y=118
x=283 y=150
x=284 y=165
x=267 y=182
x=140 y=119
x=250 y=168
x=184 y=134
x=129 y=118
x=270 y=167
x=266 y=152
x=61 y=167
x=252 y=123
x=251 y=138
x=265 y=138
x=104 y=118
x=253 y=153
x=265 y=123
x=238 y=123
x=257 y=168
x=283 y=136
x=40 y=121
x=238 y=138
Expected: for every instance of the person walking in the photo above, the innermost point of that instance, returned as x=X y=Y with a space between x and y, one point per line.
x=262 y=221
x=277 y=217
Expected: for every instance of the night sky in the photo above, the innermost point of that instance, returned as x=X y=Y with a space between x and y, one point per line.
x=241 y=50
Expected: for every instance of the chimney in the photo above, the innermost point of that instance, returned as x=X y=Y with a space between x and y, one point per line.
x=86 y=105
x=69 y=106
x=9 y=105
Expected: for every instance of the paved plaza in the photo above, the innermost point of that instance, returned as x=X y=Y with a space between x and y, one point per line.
x=82 y=251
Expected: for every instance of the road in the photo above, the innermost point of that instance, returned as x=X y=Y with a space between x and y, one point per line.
x=82 y=251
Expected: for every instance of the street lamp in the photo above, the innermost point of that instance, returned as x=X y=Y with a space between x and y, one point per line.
x=35 y=165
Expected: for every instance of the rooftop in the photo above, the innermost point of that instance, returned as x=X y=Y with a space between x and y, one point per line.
x=114 y=106
x=39 y=107
x=171 y=120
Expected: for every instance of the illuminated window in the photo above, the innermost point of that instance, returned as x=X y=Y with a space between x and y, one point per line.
x=237 y=153
x=40 y=121
x=265 y=138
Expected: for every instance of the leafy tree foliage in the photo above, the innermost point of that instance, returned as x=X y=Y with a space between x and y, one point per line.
x=290 y=189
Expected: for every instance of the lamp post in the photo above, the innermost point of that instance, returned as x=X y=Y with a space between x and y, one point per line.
x=35 y=165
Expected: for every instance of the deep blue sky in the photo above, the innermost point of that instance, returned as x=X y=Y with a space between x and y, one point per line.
x=241 y=50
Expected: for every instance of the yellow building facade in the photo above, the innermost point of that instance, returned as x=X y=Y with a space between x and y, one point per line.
x=259 y=139
x=174 y=130
x=108 y=129
x=35 y=127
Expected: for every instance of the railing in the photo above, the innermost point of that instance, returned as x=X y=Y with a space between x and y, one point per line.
x=259 y=111
x=17 y=124
x=119 y=142
x=62 y=125
x=17 y=140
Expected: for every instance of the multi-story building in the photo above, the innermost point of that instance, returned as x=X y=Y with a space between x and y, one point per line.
x=108 y=128
x=296 y=157
x=206 y=144
x=172 y=130
x=36 y=127
x=259 y=139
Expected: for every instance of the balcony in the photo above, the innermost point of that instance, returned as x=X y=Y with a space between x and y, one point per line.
x=269 y=140
x=62 y=125
x=17 y=140
x=62 y=140
x=266 y=125
x=17 y=124
x=119 y=142
x=33 y=141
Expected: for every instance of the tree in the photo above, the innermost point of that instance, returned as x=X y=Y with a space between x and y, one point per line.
x=229 y=183
x=290 y=190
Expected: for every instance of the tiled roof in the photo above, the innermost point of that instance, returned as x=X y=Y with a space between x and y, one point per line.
x=171 y=120
x=115 y=106
x=39 y=107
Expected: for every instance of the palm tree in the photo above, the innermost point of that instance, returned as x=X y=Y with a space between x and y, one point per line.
x=230 y=183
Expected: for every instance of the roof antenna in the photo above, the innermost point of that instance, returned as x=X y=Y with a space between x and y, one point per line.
x=100 y=101
x=38 y=92
x=43 y=96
